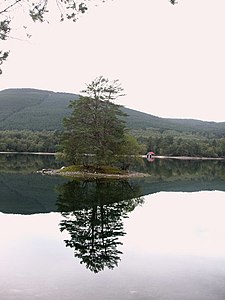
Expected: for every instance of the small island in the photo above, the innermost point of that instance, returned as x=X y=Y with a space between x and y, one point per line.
x=91 y=172
x=96 y=142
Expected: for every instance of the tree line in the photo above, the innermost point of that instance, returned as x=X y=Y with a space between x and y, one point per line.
x=29 y=141
x=166 y=143
x=183 y=144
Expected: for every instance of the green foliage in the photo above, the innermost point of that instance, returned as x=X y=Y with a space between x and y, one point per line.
x=33 y=109
x=129 y=150
x=143 y=124
x=4 y=32
x=174 y=143
x=5 y=27
x=103 y=89
x=3 y=57
x=38 y=10
x=92 y=169
x=29 y=141
x=95 y=126
x=38 y=110
x=68 y=9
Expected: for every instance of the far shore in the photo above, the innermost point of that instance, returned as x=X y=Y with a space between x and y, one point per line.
x=141 y=156
x=188 y=157
x=29 y=153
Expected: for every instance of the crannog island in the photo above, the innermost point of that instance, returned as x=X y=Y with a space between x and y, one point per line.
x=91 y=172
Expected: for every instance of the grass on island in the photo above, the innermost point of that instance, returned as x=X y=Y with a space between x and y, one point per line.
x=94 y=169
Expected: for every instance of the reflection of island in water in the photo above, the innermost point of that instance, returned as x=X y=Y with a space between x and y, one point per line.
x=94 y=209
x=30 y=193
x=94 y=212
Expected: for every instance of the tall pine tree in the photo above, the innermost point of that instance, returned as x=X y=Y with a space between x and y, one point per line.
x=96 y=126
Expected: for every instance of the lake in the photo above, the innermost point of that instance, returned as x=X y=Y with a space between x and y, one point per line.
x=159 y=237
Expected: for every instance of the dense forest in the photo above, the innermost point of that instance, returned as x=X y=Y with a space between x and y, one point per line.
x=167 y=143
x=178 y=143
x=32 y=109
x=32 y=120
x=29 y=141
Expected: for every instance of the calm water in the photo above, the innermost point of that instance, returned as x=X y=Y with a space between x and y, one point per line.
x=161 y=237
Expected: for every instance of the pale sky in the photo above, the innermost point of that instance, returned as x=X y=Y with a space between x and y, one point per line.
x=169 y=59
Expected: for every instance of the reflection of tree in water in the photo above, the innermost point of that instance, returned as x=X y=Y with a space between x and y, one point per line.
x=94 y=212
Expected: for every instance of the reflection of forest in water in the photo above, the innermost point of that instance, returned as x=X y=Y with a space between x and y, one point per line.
x=184 y=176
x=93 y=214
x=160 y=169
x=27 y=162
x=25 y=192
x=171 y=169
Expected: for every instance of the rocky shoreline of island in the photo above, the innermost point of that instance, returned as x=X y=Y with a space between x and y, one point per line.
x=91 y=175
x=94 y=174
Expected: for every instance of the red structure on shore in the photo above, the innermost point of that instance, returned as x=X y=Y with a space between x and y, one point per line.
x=150 y=156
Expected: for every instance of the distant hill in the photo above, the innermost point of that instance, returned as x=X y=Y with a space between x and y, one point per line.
x=44 y=110
x=33 y=109
x=140 y=120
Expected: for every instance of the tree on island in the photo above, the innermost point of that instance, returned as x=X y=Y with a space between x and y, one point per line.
x=39 y=10
x=96 y=129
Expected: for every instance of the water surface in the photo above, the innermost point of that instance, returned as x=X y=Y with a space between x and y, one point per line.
x=160 y=237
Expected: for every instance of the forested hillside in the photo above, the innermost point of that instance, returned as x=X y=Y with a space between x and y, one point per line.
x=140 y=121
x=32 y=109
x=31 y=120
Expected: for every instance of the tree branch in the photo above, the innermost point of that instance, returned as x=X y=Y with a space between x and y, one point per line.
x=10 y=6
